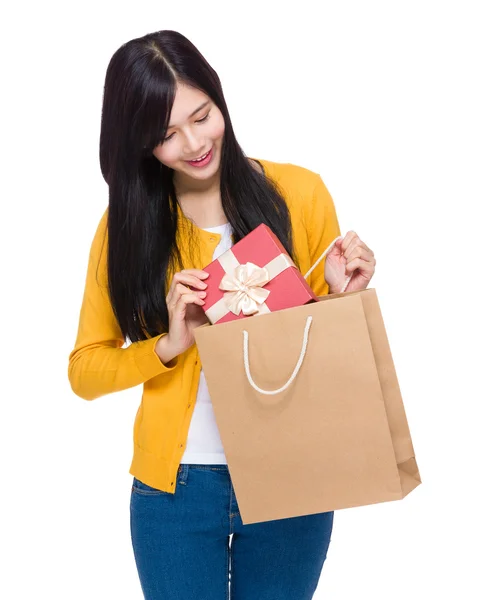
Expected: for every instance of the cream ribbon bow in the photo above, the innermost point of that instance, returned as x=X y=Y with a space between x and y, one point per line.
x=244 y=290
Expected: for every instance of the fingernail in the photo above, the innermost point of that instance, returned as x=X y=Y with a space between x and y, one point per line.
x=202 y=294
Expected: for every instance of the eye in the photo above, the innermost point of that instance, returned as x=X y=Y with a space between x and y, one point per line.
x=204 y=118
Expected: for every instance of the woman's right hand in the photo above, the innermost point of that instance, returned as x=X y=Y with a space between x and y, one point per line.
x=185 y=312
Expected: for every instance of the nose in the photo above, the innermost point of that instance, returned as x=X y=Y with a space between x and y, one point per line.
x=192 y=146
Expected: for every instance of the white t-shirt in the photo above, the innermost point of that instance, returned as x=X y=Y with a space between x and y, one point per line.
x=204 y=445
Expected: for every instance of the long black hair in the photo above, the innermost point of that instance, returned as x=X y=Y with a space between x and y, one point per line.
x=139 y=92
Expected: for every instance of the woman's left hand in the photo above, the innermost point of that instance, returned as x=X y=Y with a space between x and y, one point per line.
x=349 y=256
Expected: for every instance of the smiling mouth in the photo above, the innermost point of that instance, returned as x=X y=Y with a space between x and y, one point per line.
x=201 y=158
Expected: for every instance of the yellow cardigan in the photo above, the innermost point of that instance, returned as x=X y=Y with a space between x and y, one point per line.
x=98 y=364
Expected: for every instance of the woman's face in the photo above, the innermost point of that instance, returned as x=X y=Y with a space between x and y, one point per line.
x=196 y=127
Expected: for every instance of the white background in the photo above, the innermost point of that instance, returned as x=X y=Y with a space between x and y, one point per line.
x=386 y=101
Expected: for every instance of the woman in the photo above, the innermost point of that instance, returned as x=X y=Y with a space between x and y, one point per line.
x=181 y=192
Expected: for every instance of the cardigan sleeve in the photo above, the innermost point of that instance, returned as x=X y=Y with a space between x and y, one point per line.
x=323 y=227
x=98 y=364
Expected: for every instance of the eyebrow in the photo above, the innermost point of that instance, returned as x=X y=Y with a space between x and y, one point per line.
x=195 y=111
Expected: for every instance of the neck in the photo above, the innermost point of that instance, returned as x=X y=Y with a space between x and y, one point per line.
x=187 y=186
x=201 y=203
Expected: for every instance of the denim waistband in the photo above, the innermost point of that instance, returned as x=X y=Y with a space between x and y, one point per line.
x=205 y=467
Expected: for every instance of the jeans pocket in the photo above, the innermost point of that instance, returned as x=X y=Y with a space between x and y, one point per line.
x=147 y=490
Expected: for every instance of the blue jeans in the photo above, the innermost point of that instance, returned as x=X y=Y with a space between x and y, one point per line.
x=183 y=549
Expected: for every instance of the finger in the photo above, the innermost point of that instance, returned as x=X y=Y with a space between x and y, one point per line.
x=182 y=290
x=365 y=268
x=189 y=279
x=348 y=240
x=198 y=273
x=357 y=241
x=336 y=248
x=175 y=291
x=170 y=293
x=186 y=299
x=360 y=252
x=339 y=244
x=185 y=276
x=364 y=245
x=354 y=243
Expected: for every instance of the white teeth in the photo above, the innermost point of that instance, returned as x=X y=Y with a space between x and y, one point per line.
x=201 y=158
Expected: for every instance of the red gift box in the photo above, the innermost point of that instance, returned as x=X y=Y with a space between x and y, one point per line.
x=254 y=277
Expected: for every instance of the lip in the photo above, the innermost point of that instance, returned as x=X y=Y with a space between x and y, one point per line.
x=204 y=162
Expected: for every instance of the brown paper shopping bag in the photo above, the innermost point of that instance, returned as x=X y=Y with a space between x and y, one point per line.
x=309 y=408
